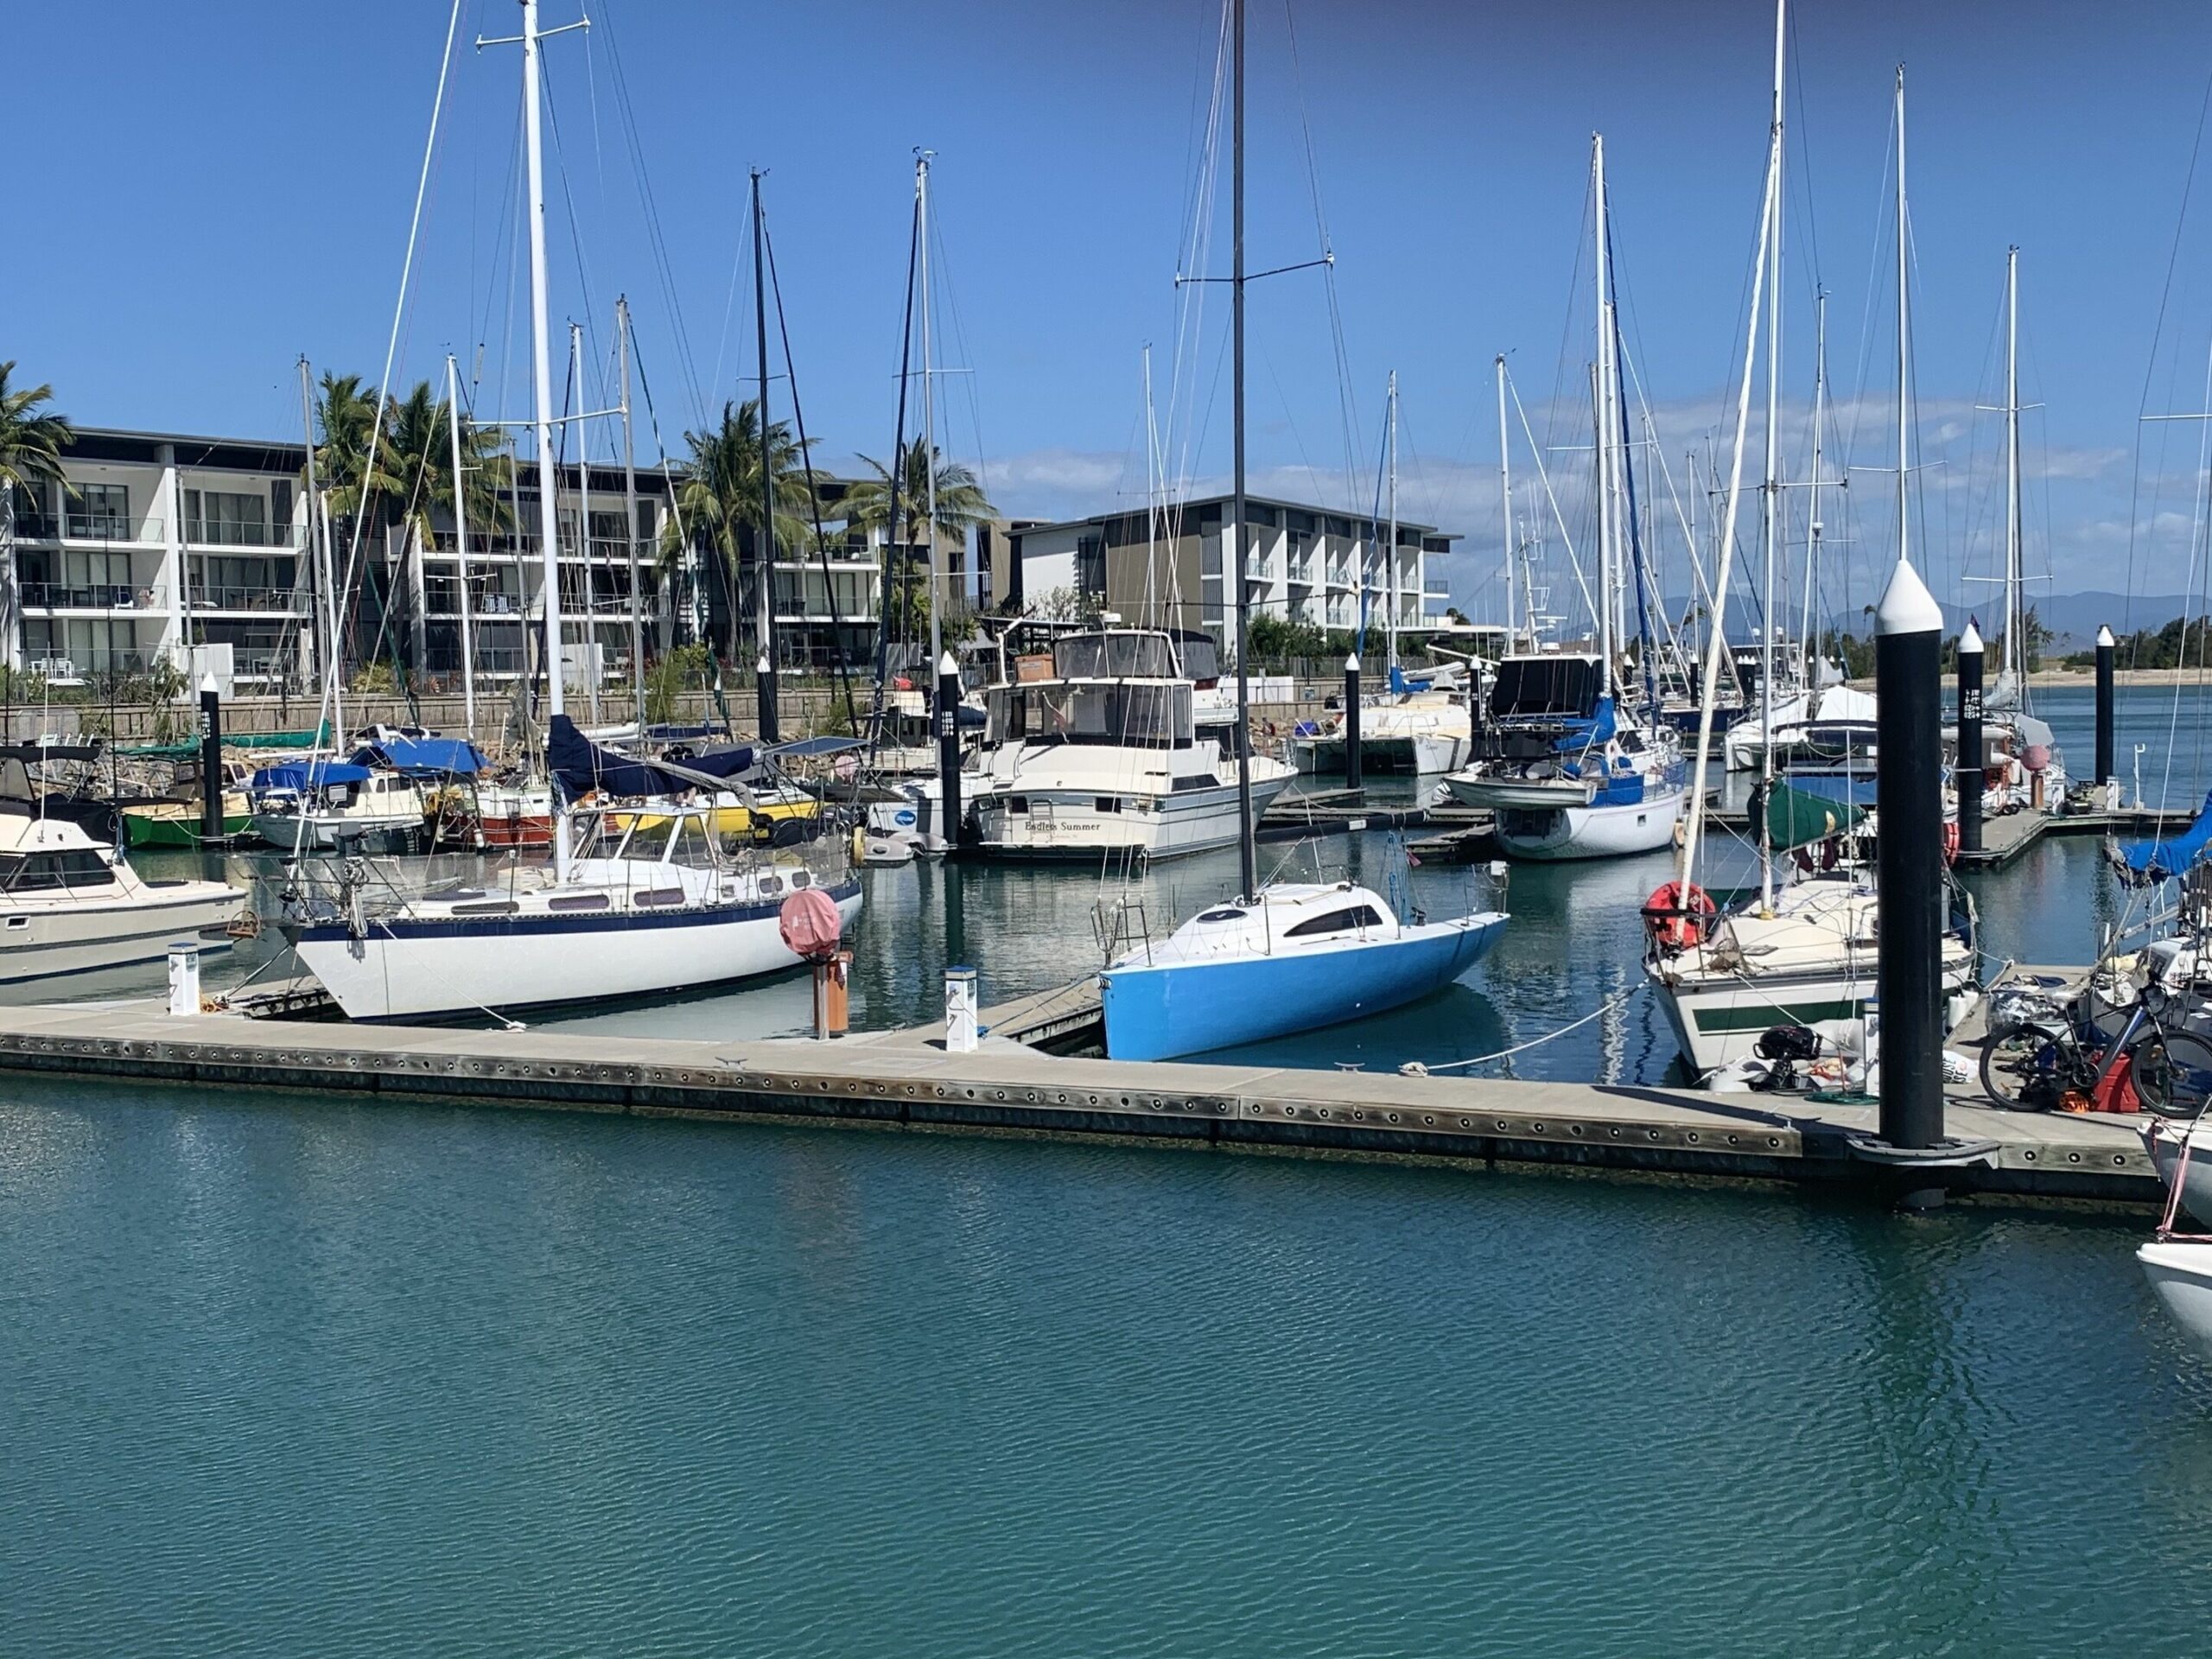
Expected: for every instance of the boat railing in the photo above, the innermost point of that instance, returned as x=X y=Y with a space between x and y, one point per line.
x=1120 y=925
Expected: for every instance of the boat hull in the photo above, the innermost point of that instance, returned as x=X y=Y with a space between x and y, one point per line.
x=2165 y=1140
x=1188 y=820
x=1156 y=1012
x=382 y=834
x=175 y=824
x=1560 y=833
x=1519 y=794
x=43 y=942
x=1718 y=1018
x=2181 y=1275
x=446 y=968
x=1423 y=752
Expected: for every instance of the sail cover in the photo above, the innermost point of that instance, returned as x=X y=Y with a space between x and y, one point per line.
x=581 y=765
x=445 y=757
x=1801 y=811
x=2167 y=855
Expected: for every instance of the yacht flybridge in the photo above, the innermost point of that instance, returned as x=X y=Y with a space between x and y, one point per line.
x=1102 y=756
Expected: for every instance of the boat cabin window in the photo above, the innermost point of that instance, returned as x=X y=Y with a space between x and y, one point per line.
x=1337 y=921
x=1114 y=656
x=1137 y=715
x=1109 y=803
x=1546 y=685
x=691 y=843
x=43 y=872
x=1232 y=914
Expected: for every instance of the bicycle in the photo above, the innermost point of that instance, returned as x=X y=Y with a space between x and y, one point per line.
x=2058 y=1060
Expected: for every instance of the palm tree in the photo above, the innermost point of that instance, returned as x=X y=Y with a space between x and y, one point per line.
x=354 y=460
x=960 y=503
x=31 y=442
x=718 y=503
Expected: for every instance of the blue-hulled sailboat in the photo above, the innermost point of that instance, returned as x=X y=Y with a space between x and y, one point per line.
x=1287 y=957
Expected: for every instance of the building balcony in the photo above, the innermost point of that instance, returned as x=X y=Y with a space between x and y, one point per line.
x=243 y=533
x=103 y=529
x=249 y=601
x=102 y=599
x=59 y=670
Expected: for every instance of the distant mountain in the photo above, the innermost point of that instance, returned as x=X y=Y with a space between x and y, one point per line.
x=2073 y=619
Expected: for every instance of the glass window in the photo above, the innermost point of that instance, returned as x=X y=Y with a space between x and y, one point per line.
x=1337 y=921
x=37 y=872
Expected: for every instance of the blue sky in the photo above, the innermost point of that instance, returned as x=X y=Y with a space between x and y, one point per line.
x=230 y=184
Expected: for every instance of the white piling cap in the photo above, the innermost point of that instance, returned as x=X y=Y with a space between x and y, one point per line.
x=1351 y=663
x=946 y=665
x=1970 y=641
x=761 y=667
x=2104 y=638
x=1907 y=606
x=207 y=682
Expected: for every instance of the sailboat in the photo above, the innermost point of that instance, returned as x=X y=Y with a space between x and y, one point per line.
x=1805 y=955
x=1570 y=769
x=633 y=909
x=1288 y=956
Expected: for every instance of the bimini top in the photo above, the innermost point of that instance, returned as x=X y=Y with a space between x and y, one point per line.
x=580 y=765
x=1553 y=685
x=443 y=757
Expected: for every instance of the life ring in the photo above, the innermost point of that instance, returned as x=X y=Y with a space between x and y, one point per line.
x=1950 y=842
x=1677 y=915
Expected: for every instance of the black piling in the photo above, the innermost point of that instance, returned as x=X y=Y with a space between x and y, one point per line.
x=211 y=760
x=1967 y=771
x=1908 y=685
x=948 y=746
x=1351 y=722
x=764 y=682
x=2107 y=648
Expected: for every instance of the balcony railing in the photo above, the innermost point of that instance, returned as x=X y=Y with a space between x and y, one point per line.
x=103 y=526
x=91 y=596
x=285 y=601
x=97 y=665
x=240 y=532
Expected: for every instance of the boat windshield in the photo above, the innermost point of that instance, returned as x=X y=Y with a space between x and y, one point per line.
x=1134 y=715
x=1546 y=685
x=1114 y=656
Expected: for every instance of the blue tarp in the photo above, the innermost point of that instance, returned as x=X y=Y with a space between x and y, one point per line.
x=581 y=765
x=1591 y=733
x=445 y=757
x=2169 y=855
x=315 y=775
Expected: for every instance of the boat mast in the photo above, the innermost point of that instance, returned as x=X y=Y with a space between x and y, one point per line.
x=1505 y=495
x=1770 y=495
x=1390 y=569
x=584 y=515
x=764 y=559
x=460 y=547
x=1600 y=379
x=2016 y=656
x=318 y=520
x=1805 y=629
x=1905 y=342
x=929 y=423
x=1248 y=853
x=630 y=519
x=548 y=516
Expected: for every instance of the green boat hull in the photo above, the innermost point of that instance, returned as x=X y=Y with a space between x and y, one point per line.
x=181 y=830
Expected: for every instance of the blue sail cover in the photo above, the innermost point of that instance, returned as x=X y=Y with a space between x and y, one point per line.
x=2169 y=855
x=445 y=757
x=580 y=765
x=1590 y=734
x=295 y=777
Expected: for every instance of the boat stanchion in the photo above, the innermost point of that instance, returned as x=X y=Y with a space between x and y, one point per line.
x=960 y=1032
x=1966 y=773
x=1351 y=720
x=184 y=978
x=211 y=760
x=948 y=748
x=1908 y=767
x=2107 y=648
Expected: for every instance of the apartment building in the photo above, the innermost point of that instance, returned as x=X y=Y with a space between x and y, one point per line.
x=1305 y=564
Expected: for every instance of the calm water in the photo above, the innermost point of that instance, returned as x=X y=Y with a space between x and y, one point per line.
x=283 y=1378
x=289 y=1376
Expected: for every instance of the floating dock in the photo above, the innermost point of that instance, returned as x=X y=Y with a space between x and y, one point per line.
x=2004 y=839
x=904 y=1081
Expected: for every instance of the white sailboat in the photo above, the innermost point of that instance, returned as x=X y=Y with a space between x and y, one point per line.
x=1570 y=769
x=1804 y=953
x=1283 y=958
x=635 y=911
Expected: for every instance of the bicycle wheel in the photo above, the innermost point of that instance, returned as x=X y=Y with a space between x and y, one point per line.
x=2026 y=1068
x=2171 y=1071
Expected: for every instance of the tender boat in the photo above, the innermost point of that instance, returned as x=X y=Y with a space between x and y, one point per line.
x=1102 y=757
x=1828 y=723
x=1299 y=957
x=69 y=905
x=1419 y=726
